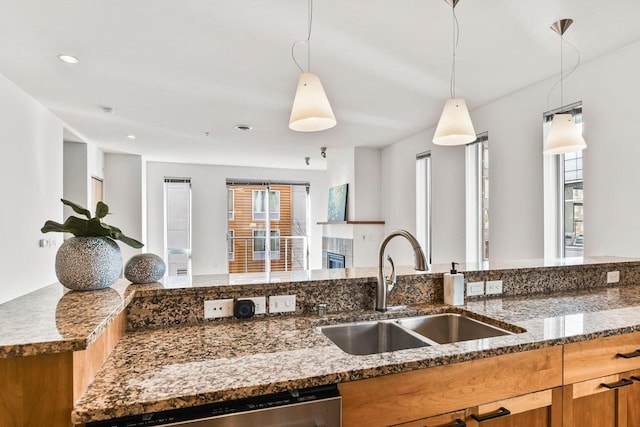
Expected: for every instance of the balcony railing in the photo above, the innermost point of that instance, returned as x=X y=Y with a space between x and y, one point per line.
x=294 y=248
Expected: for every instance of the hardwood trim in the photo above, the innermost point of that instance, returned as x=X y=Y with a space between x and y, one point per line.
x=587 y=388
x=622 y=399
x=520 y=404
x=597 y=358
x=351 y=222
x=87 y=362
x=437 y=421
x=567 y=406
x=438 y=390
x=556 y=407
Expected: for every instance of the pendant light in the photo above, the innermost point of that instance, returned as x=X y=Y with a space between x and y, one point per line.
x=311 y=111
x=564 y=136
x=454 y=127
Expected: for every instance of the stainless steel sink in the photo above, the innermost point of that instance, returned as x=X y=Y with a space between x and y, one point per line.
x=399 y=334
x=451 y=327
x=372 y=337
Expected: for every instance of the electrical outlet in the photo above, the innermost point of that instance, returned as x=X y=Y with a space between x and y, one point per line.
x=282 y=303
x=217 y=308
x=260 y=303
x=494 y=287
x=475 y=288
x=613 y=277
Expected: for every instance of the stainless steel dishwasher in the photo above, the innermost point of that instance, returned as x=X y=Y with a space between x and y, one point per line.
x=310 y=407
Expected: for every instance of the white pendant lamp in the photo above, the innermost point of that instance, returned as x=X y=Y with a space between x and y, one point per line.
x=455 y=126
x=564 y=136
x=311 y=111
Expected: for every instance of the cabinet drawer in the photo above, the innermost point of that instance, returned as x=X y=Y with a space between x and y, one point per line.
x=599 y=358
x=397 y=398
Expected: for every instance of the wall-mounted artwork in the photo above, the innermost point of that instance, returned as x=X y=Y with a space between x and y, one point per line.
x=338 y=203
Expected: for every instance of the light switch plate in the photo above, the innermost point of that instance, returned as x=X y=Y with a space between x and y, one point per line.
x=282 y=303
x=475 y=289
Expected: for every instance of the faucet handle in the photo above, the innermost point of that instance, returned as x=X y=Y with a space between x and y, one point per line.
x=391 y=280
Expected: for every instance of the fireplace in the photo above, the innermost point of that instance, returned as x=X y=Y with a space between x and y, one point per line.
x=335 y=260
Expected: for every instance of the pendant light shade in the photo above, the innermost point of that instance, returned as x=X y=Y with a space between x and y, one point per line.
x=311 y=110
x=454 y=127
x=564 y=136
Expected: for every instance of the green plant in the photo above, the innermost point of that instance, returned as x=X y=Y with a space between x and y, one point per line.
x=90 y=227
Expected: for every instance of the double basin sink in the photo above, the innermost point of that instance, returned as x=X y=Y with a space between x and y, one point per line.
x=380 y=336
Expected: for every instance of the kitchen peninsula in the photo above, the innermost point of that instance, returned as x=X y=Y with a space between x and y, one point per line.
x=178 y=360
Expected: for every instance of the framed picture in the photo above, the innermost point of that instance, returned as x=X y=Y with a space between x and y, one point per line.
x=338 y=203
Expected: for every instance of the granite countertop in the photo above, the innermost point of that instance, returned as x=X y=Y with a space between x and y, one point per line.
x=192 y=365
x=54 y=319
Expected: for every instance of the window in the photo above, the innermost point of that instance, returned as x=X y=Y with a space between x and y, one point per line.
x=230 y=202
x=259 y=204
x=563 y=196
x=178 y=225
x=477 y=199
x=231 y=244
x=423 y=203
x=259 y=244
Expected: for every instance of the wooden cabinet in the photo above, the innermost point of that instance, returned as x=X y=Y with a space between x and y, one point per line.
x=602 y=380
x=470 y=387
x=37 y=391
x=539 y=409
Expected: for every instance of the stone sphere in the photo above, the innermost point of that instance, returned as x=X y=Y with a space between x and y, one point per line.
x=145 y=268
x=88 y=263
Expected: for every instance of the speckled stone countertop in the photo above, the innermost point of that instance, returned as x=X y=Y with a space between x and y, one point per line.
x=54 y=319
x=370 y=273
x=185 y=366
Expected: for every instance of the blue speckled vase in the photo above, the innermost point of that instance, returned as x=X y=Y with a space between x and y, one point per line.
x=88 y=263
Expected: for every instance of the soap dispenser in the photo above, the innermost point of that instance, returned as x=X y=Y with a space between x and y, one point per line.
x=453 y=286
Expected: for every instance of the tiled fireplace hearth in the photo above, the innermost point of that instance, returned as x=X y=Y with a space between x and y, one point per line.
x=337 y=246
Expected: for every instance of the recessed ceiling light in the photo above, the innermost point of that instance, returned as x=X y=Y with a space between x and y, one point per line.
x=244 y=127
x=131 y=136
x=107 y=110
x=68 y=59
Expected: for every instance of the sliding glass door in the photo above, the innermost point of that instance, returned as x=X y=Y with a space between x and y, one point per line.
x=267 y=226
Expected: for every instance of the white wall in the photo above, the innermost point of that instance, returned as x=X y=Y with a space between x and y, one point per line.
x=448 y=202
x=31 y=173
x=609 y=89
x=209 y=213
x=123 y=192
x=76 y=185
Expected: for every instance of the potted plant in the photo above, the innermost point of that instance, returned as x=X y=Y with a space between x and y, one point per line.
x=91 y=259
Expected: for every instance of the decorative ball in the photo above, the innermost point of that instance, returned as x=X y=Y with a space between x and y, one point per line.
x=88 y=263
x=144 y=268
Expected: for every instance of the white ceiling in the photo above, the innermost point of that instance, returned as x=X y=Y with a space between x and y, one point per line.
x=174 y=70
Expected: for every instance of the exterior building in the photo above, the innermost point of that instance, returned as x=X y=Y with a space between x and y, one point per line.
x=247 y=223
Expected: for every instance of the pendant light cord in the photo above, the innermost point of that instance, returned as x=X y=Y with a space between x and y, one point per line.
x=455 y=39
x=307 y=41
x=562 y=75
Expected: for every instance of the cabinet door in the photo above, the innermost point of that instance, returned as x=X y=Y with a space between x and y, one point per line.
x=540 y=409
x=633 y=399
x=601 y=402
x=452 y=419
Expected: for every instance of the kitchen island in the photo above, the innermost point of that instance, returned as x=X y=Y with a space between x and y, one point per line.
x=154 y=367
